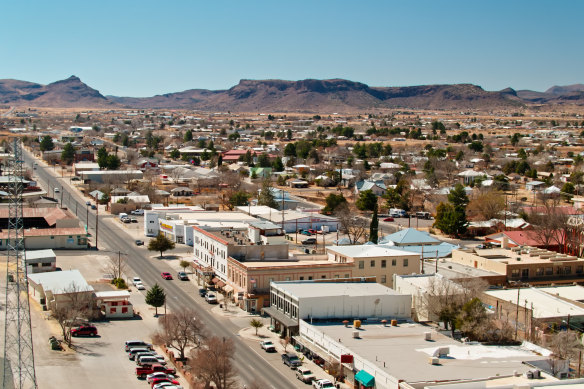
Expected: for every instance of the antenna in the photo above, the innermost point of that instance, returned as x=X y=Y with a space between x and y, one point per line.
x=18 y=369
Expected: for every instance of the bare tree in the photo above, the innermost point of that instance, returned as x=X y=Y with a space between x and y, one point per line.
x=564 y=345
x=486 y=205
x=213 y=363
x=180 y=330
x=285 y=342
x=352 y=225
x=71 y=308
x=550 y=224
x=116 y=265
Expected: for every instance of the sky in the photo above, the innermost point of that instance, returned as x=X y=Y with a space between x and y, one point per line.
x=143 y=48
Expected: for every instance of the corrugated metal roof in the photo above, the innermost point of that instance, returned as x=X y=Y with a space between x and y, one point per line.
x=409 y=236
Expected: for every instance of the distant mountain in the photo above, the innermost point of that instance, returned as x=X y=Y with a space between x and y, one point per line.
x=71 y=92
x=335 y=95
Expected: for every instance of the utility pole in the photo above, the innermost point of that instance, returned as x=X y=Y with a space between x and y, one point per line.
x=96 y=222
x=18 y=367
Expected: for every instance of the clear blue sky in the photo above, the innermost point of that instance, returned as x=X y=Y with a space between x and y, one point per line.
x=142 y=48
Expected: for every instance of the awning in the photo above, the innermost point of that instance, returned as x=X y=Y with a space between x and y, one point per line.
x=280 y=317
x=215 y=280
x=228 y=289
x=220 y=284
x=366 y=379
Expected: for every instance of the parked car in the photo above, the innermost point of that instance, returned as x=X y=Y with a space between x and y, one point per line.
x=136 y=343
x=388 y=219
x=305 y=375
x=158 y=374
x=126 y=220
x=166 y=385
x=182 y=276
x=309 y=241
x=202 y=292
x=88 y=203
x=149 y=360
x=137 y=212
x=139 y=242
x=211 y=298
x=57 y=190
x=159 y=380
x=84 y=331
x=93 y=206
x=143 y=371
x=140 y=286
x=322 y=384
x=133 y=220
x=305 y=232
x=312 y=232
x=166 y=275
x=268 y=346
x=291 y=360
x=137 y=350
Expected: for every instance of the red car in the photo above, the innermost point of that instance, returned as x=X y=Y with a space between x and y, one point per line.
x=388 y=219
x=166 y=275
x=313 y=232
x=84 y=331
x=160 y=380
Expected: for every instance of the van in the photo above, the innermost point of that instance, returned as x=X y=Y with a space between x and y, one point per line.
x=396 y=212
x=123 y=215
x=137 y=343
x=423 y=215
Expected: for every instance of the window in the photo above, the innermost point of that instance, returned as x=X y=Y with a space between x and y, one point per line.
x=287 y=278
x=393 y=262
x=515 y=273
x=549 y=271
x=383 y=263
x=361 y=264
x=539 y=271
x=568 y=270
x=383 y=279
x=310 y=277
x=579 y=269
x=346 y=276
x=372 y=263
x=301 y=278
x=405 y=262
x=323 y=276
x=336 y=276
x=125 y=310
x=524 y=273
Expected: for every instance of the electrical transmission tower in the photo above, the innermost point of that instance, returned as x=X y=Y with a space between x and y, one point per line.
x=18 y=369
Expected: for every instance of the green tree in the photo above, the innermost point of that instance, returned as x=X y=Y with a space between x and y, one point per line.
x=476 y=146
x=113 y=162
x=332 y=202
x=68 y=153
x=266 y=196
x=220 y=160
x=102 y=155
x=522 y=154
x=392 y=198
x=458 y=198
x=374 y=227
x=188 y=136
x=367 y=201
x=264 y=160
x=277 y=165
x=184 y=264
x=256 y=324
x=239 y=198
x=174 y=154
x=155 y=297
x=161 y=243
x=515 y=139
x=568 y=190
x=47 y=143
x=290 y=150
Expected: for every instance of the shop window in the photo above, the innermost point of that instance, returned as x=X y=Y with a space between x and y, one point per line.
x=125 y=310
x=301 y=278
x=515 y=273
x=113 y=310
x=568 y=270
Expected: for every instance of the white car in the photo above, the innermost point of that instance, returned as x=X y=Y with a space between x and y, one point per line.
x=137 y=212
x=139 y=286
x=323 y=384
x=268 y=346
x=57 y=190
x=158 y=374
x=136 y=280
x=165 y=385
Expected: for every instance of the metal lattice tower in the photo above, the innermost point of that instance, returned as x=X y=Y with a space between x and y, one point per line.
x=18 y=369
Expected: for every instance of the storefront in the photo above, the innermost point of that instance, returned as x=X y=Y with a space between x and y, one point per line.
x=364 y=380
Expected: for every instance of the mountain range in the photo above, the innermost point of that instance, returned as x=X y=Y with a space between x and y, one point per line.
x=335 y=95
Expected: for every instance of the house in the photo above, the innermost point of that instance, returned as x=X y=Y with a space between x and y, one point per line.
x=115 y=304
x=578 y=202
x=418 y=242
x=84 y=155
x=260 y=172
x=469 y=176
x=40 y=261
x=377 y=187
x=147 y=163
x=85 y=167
x=181 y=191
x=555 y=242
x=111 y=176
x=532 y=186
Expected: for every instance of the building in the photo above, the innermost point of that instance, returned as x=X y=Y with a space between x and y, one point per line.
x=350 y=298
x=379 y=261
x=526 y=264
x=81 y=167
x=115 y=304
x=111 y=176
x=527 y=238
x=54 y=289
x=46 y=228
x=420 y=242
x=40 y=261
x=293 y=221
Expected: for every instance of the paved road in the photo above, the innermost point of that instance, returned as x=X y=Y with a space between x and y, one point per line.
x=250 y=365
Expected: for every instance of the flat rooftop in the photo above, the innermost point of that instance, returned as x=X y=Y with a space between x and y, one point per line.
x=403 y=352
x=301 y=289
x=529 y=255
x=570 y=292
x=544 y=304
x=372 y=250
x=457 y=270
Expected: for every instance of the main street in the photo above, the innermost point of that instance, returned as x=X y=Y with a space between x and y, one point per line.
x=250 y=365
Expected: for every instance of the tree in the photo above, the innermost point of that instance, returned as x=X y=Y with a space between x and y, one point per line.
x=487 y=205
x=160 y=243
x=392 y=198
x=74 y=305
x=188 y=136
x=239 y=198
x=180 y=330
x=472 y=317
x=256 y=324
x=184 y=264
x=264 y=160
x=515 y=139
x=476 y=146
x=113 y=162
x=332 y=202
x=374 y=227
x=174 y=154
x=367 y=200
x=213 y=363
x=47 y=143
x=68 y=154
x=156 y=297
x=102 y=155
x=266 y=196
x=350 y=224
x=277 y=165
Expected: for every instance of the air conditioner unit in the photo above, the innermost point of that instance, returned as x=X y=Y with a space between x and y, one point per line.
x=355 y=334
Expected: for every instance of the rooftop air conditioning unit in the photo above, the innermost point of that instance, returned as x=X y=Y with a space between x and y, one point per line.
x=355 y=334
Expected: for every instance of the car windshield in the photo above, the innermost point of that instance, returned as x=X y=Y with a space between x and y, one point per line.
x=268 y=343
x=293 y=357
x=306 y=372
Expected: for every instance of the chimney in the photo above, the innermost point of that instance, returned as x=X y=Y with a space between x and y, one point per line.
x=505 y=242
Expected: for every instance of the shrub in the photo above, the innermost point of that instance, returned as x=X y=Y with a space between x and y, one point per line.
x=120 y=283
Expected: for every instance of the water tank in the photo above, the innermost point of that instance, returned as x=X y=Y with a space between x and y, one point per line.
x=357 y=323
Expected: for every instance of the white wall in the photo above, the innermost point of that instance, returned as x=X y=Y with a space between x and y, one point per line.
x=150 y=223
x=388 y=306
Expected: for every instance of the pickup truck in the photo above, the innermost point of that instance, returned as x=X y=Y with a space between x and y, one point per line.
x=143 y=371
